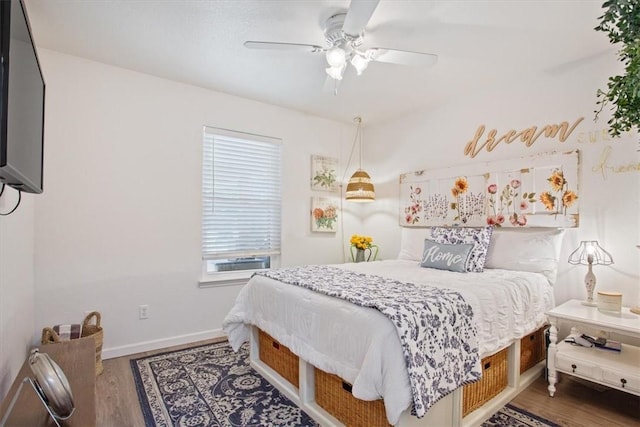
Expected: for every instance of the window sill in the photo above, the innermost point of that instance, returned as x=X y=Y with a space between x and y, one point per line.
x=232 y=278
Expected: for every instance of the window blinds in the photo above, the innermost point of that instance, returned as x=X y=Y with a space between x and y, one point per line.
x=241 y=195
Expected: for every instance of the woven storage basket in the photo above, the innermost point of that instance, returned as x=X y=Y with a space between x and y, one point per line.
x=92 y=332
x=334 y=396
x=532 y=349
x=279 y=358
x=494 y=380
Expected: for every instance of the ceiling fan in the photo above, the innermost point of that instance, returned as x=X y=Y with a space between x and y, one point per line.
x=344 y=35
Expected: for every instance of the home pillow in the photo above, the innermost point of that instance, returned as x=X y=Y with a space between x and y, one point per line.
x=479 y=237
x=535 y=250
x=412 y=243
x=446 y=257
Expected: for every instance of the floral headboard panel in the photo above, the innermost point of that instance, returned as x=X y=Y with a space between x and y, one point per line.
x=536 y=191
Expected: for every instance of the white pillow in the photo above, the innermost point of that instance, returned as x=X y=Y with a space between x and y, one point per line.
x=526 y=249
x=412 y=242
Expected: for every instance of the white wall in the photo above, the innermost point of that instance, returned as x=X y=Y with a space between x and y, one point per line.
x=119 y=222
x=16 y=284
x=436 y=138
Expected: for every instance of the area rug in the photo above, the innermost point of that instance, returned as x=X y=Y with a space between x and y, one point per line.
x=512 y=416
x=211 y=386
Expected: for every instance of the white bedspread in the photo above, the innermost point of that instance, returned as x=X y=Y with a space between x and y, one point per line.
x=361 y=345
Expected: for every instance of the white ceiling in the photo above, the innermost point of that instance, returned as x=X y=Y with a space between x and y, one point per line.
x=480 y=43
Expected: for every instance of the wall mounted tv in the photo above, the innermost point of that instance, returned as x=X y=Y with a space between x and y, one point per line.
x=21 y=102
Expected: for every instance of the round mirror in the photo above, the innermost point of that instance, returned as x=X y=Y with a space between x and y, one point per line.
x=52 y=384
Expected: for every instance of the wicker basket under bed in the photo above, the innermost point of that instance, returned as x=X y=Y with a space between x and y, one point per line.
x=334 y=396
x=533 y=349
x=494 y=380
x=279 y=358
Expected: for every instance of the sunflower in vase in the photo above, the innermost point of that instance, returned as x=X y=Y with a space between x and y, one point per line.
x=364 y=248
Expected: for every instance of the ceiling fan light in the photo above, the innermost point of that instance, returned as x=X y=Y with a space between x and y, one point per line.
x=336 y=57
x=360 y=188
x=360 y=63
x=336 y=72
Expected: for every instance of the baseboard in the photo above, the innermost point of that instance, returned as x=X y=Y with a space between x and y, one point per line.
x=126 y=350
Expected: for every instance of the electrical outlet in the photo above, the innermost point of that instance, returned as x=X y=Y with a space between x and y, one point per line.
x=143 y=311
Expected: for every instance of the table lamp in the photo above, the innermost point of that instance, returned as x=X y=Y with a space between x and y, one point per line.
x=589 y=253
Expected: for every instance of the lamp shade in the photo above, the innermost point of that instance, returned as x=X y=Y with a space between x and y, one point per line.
x=336 y=57
x=590 y=252
x=360 y=63
x=360 y=188
x=336 y=72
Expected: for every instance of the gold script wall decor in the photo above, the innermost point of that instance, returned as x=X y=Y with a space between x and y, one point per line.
x=605 y=166
x=528 y=136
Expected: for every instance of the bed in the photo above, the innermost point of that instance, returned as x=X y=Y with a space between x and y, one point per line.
x=361 y=345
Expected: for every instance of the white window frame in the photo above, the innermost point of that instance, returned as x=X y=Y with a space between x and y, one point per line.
x=226 y=138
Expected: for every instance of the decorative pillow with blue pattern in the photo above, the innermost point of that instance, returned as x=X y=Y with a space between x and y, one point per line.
x=480 y=237
x=446 y=257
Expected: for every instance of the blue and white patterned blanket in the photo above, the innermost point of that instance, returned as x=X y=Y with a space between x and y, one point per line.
x=436 y=326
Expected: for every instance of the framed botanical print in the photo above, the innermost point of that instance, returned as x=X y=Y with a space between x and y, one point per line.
x=325 y=214
x=324 y=173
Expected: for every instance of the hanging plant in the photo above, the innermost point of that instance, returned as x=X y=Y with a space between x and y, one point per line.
x=621 y=21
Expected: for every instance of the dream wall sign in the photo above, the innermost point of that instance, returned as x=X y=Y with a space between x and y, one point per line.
x=536 y=191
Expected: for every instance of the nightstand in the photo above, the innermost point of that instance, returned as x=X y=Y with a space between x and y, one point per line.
x=619 y=370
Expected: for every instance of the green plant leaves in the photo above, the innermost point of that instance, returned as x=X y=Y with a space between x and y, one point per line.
x=621 y=22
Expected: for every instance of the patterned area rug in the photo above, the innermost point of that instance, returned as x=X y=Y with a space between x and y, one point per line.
x=512 y=416
x=211 y=386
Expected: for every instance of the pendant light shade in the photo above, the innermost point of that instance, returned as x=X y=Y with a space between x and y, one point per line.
x=360 y=188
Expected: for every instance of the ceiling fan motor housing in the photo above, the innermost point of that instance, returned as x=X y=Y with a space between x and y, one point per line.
x=334 y=36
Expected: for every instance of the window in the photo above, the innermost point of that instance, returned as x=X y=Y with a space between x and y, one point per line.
x=241 y=196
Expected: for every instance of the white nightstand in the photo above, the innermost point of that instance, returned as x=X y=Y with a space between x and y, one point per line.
x=619 y=370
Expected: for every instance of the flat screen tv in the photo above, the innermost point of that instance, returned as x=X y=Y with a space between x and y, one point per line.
x=21 y=102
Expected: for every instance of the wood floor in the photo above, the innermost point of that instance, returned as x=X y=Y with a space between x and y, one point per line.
x=579 y=403
x=576 y=403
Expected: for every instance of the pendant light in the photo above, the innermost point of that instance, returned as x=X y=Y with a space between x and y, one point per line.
x=360 y=188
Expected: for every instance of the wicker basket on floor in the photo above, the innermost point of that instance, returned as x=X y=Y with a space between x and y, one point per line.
x=90 y=331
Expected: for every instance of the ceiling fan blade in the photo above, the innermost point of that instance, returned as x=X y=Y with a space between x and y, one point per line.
x=298 y=47
x=358 y=16
x=404 y=57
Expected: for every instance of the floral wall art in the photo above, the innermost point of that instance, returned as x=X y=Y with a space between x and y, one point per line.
x=324 y=172
x=324 y=214
x=536 y=191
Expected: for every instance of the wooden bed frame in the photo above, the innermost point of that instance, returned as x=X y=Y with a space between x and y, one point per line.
x=447 y=412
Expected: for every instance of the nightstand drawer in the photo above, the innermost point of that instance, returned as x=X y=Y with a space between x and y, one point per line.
x=566 y=363
x=621 y=379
